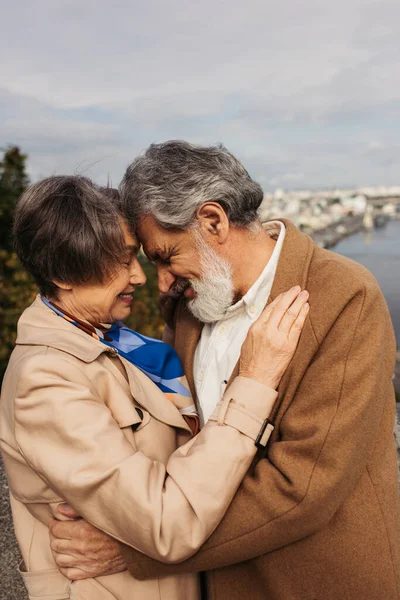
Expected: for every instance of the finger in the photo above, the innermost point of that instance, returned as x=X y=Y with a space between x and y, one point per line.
x=269 y=308
x=168 y=306
x=65 y=529
x=298 y=325
x=66 y=547
x=75 y=574
x=57 y=529
x=282 y=306
x=290 y=315
x=64 y=560
x=67 y=510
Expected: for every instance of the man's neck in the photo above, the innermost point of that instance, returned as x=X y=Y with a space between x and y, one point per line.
x=252 y=251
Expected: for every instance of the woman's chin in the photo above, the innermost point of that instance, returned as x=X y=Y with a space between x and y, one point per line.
x=122 y=312
x=127 y=311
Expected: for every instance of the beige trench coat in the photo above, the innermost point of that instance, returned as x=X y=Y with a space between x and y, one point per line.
x=68 y=432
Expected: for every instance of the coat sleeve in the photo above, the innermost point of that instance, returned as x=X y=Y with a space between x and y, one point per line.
x=70 y=438
x=323 y=445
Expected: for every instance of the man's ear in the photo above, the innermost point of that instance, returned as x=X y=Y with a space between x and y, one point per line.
x=213 y=222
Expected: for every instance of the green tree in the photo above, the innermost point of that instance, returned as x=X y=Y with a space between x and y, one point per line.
x=17 y=288
x=13 y=181
x=146 y=316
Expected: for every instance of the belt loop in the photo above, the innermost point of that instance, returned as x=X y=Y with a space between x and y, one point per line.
x=223 y=410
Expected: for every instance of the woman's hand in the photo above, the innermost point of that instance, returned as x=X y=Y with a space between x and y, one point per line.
x=272 y=340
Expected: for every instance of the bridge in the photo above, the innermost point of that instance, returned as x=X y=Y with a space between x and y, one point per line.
x=378 y=202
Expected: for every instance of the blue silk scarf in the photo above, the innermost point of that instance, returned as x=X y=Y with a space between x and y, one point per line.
x=157 y=360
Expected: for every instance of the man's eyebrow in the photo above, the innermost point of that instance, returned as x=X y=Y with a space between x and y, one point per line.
x=160 y=253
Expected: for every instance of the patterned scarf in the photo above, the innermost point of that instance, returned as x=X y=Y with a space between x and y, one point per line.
x=154 y=358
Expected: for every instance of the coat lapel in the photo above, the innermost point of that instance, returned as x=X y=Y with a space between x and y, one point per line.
x=151 y=398
x=293 y=268
x=294 y=261
x=187 y=334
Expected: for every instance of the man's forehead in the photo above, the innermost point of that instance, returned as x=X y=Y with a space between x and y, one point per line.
x=153 y=236
x=148 y=226
x=151 y=240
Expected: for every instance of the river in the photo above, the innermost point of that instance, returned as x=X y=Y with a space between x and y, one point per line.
x=379 y=251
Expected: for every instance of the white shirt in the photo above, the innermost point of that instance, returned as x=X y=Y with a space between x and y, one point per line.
x=220 y=343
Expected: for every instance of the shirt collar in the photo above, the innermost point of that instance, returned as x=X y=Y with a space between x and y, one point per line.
x=251 y=301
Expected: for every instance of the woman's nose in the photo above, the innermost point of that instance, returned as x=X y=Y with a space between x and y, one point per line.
x=138 y=276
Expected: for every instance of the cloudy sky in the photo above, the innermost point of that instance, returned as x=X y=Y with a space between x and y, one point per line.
x=305 y=92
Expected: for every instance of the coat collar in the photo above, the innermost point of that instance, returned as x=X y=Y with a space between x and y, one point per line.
x=40 y=326
x=293 y=267
x=294 y=261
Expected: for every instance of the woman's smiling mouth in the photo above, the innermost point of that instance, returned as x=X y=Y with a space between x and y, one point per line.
x=126 y=298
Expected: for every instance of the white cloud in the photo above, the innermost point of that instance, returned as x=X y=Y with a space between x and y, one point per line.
x=292 y=88
x=375 y=146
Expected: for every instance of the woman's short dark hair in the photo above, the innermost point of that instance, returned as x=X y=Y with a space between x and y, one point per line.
x=67 y=229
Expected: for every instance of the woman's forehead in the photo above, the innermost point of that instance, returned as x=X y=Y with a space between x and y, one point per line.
x=130 y=239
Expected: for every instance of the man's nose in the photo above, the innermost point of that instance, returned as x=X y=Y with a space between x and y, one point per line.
x=165 y=280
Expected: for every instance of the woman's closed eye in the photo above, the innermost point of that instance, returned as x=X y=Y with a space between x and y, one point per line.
x=128 y=259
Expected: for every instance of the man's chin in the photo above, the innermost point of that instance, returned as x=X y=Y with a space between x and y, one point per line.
x=202 y=314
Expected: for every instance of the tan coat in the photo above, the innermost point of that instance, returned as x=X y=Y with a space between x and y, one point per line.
x=318 y=518
x=70 y=431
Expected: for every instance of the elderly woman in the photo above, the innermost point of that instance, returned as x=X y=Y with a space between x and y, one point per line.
x=97 y=415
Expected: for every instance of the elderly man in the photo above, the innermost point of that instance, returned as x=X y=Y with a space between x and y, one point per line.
x=317 y=516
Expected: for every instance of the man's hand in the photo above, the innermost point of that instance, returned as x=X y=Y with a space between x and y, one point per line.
x=168 y=304
x=81 y=551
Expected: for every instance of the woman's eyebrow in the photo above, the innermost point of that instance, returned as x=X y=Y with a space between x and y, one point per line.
x=133 y=248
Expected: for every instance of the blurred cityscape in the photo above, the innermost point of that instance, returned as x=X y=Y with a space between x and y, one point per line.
x=330 y=215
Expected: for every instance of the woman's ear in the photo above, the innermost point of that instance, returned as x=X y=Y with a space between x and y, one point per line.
x=62 y=285
x=213 y=221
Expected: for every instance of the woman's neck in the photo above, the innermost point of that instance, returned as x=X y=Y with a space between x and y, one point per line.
x=72 y=311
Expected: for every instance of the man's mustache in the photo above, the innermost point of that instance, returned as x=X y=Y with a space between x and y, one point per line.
x=177 y=289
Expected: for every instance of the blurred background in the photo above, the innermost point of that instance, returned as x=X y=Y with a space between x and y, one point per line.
x=306 y=93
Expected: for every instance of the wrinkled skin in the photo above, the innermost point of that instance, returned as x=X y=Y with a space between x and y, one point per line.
x=81 y=551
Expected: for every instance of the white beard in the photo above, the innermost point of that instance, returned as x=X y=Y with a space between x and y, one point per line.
x=214 y=291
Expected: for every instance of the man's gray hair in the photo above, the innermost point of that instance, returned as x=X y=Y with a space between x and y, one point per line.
x=171 y=180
